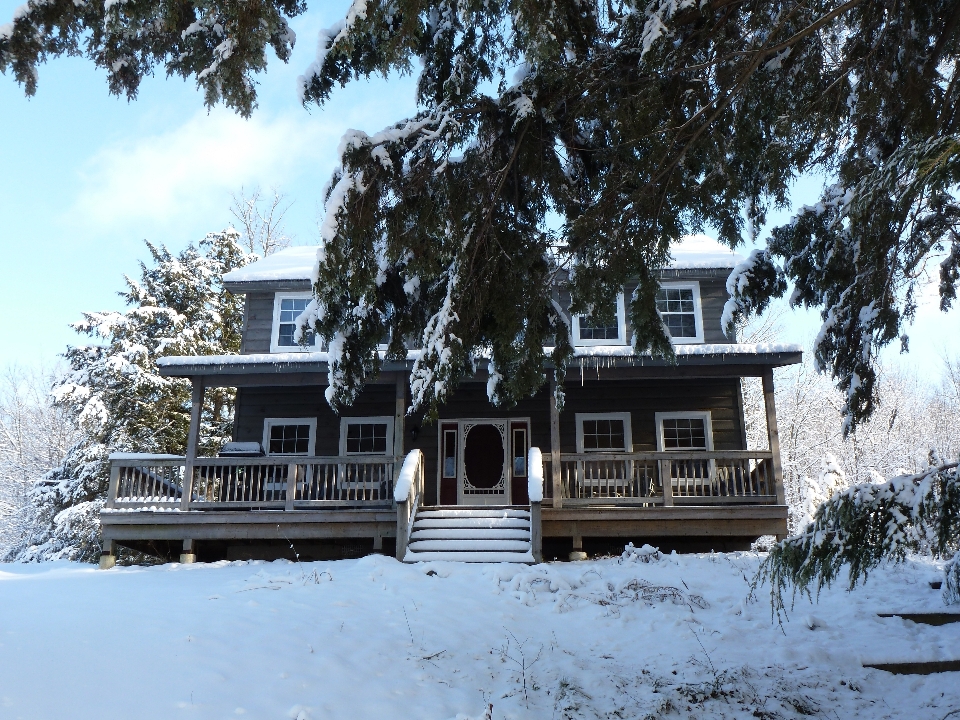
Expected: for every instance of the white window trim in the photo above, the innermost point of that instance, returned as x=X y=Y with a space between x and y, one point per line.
x=697 y=311
x=345 y=421
x=621 y=328
x=627 y=431
x=270 y=422
x=275 y=325
x=692 y=414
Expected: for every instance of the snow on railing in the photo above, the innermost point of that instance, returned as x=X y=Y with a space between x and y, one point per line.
x=408 y=493
x=535 y=475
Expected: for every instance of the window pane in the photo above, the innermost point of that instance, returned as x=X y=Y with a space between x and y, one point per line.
x=366 y=438
x=290 y=310
x=684 y=434
x=591 y=330
x=678 y=310
x=289 y=439
x=603 y=434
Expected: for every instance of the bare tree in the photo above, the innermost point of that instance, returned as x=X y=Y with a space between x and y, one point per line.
x=34 y=436
x=261 y=220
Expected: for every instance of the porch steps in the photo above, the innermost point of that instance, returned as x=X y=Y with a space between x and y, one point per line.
x=470 y=534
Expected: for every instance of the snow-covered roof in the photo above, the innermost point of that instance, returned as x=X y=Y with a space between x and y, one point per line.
x=701 y=251
x=317 y=361
x=296 y=263
x=293 y=263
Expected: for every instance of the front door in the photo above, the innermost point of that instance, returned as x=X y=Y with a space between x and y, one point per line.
x=484 y=471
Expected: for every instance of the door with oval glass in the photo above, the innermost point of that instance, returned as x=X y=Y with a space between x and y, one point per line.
x=480 y=459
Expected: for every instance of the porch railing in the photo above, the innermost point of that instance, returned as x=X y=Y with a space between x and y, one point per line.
x=668 y=478
x=242 y=483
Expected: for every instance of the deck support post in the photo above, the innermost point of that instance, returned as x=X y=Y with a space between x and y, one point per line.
x=291 y=493
x=536 y=532
x=108 y=555
x=378 y=543
x=666 y=481
x=773 y=436
x=196 y=407
x=189 y=554
x=555 y=444
x=578 y=553
x=400 y=413
x=403 y=527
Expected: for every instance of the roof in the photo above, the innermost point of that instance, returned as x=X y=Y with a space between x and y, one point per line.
x=775 y=354
x=295 y=264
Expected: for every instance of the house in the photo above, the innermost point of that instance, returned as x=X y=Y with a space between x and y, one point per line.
x=644 y=450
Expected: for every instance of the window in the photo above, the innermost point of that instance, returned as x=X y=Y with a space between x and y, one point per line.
x=604 y=432
x=449 y=468
x=287 y=307
x=587 y=332
x=684 y=431
x=679 y=308
x=289 y=436
x=366 y=436
x=519 y=450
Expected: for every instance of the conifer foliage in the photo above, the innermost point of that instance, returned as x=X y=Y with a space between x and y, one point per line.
x=583 y=137
x=178 y=306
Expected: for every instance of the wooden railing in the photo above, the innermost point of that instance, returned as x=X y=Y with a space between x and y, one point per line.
x=277 y=483
x=668 y=478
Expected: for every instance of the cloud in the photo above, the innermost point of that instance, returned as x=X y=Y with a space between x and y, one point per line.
x=185 y=173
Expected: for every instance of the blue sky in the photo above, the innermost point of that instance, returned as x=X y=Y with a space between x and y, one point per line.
x=86 y=177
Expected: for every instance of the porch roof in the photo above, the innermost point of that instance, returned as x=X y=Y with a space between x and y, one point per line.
x=741 y=359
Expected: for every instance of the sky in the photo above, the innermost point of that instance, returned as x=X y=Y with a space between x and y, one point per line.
x=86 y=177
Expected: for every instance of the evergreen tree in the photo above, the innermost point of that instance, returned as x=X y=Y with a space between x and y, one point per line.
x=583 y=137
x=113 y=389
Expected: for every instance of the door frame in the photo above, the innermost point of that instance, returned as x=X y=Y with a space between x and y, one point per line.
x=508 y=422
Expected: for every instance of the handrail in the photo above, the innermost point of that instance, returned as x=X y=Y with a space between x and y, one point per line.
x=408 y=493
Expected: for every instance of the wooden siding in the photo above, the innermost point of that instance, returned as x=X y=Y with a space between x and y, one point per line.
x=257 y=322
x=254 y=404
x=641 y=398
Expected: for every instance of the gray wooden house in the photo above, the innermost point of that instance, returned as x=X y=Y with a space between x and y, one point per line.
x=644 y=451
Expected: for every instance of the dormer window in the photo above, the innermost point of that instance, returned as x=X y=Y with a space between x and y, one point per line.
x=287 y=307
x=586 y=331
x=679 y=307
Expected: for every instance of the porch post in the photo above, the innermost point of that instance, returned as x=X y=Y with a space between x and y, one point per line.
x=108 y=554
x=555 y=444
x=193 y=437
x=773 y=437
x=400 y=413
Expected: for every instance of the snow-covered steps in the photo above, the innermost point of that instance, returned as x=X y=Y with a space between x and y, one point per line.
x=470 y=534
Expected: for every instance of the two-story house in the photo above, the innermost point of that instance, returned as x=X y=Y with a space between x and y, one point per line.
x=643 y=451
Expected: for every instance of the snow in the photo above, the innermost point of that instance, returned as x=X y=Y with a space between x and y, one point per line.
x=613 y=351
x=143 y=456
x=695 y=252
x=296 y=263
x=372 y=638
x=293 y=263
x=408 y=473
x=535 y=475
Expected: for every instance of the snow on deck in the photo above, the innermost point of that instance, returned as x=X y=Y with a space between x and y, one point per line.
x=623 y=351
x=372 y=638
x=296 y=263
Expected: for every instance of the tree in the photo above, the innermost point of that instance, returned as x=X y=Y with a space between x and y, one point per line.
x=261 y=219
x=121 y=403
x=34 y=437
x=583 y=138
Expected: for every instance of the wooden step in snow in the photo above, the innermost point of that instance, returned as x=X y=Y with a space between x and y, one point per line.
x=470 y=534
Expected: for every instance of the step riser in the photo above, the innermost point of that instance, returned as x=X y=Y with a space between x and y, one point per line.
x=469 y=534
x=518 y=546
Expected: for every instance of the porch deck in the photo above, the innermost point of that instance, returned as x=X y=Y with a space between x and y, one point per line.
x=171 y=500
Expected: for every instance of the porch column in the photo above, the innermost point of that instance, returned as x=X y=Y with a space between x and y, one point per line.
x=773 y=437
x=555 y=444
x=400 y=413
x=196 y=407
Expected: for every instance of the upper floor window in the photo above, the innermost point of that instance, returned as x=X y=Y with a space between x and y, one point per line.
x=287 y=307
x=289 y=436
x=366 y=436
x=679 y=307
x=586 y=331
x=604 y=432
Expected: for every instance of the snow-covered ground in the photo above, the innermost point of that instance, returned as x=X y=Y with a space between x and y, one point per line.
x=370 y=638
